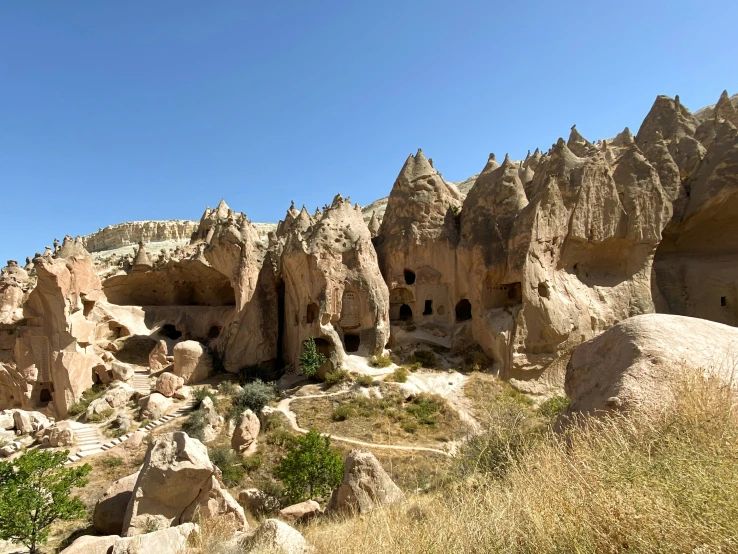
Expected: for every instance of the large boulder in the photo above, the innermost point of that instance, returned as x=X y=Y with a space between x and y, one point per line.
x=154 y=405
x=172 y=540
x=635 y=363
x=177 y=482
x=158 y=357
x=90 y=544
x=169 y=383
x=59 y=434
x=7 y=420
x=111 y=508
x=244 y=436
x=122 y=372
x=213 y=421
x=365 y=485
x=276 y=537
x=118 y=395
x=192 y=361
x=301 y=511
x=23 y=422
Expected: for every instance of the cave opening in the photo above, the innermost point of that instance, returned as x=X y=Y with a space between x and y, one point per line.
x=352 y=342
x=170 y=331
x=406 y=313
x=409 y=276
x=463 y=310
x=428 y=307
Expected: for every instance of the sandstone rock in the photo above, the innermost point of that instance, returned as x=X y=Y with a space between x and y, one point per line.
x=122 y=372
x=89 y=544
x=365 y=485
x=122 y=234
x=164 y=541
x=258 y=502
x=192 y=362
x=110 y=510
x=154 y=405
x=301 y=511
x=158 y=356
x=634 y=363
x=119 y=394
x=99 y=407
x=183 y=393
x=60 y=434
x=22 y=422
x=245 y=434
x=274 y=536
x=213 y=421
x=135 y=440
x=168 y=384
x=7 y=420
x=176 y=481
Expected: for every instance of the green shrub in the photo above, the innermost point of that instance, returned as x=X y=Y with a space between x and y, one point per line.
x=426 y=358
x=254 y=396
x=253 y=462
x=112 y=462
x=335 y=377
x=414 y=366
x=380 y=361
x=311 y=468
x=227 y=388
x=341 y=412
x=399 y=375
x=424 y=408
x=310 y=359
x=201 y=394
x=281 y=437
x=102 y=416
x=229 y=463
x=364 y=380
x=409 y=425
x=93 y=393
x=195 y=425
x=553 y=407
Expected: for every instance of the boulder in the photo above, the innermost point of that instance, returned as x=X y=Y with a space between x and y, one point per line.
x=636 y=362
x=7 y=420
x=122 y=423
x=258 y=502
x=22 y=422
x=365 y=485
x=276 y=537
x=192 y=362
x=103 y=373
x=60 y=434
x=119 y=394
x=135 y=440
x=122 y=372
x=154 y=405
x=213 y=421
x=183 y=393
x=178 y=481
x=301 y=511
x=90 y=544
x=168 y=383
x=111 y=508
x=98 y=407
x=244 y=436
x=165 y=541
x=158 y=357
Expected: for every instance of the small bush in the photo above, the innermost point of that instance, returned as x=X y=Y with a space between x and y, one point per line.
x=254 y=396
x=335 y=377
x=341 y=412
x=426 y=358
x=112 y=462
x=281 y=437
x=414 y=366
x=553 y=407
x=253 y=462
x=93 y=393
x=424 y=408
x=102 y=416
x=311 y=359
x=201 y=394
x=364 y=380
x=399 y=375
x=229 y=463
x=227 y=388
x=195 y=425
x=380 y=361
x=409 y=425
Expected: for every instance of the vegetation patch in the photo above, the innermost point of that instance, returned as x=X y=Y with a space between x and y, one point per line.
x=311 y=359
x=399 y=375
x=380 y=361
x=229 y=463
x=93 y=393
x=426 y=358
x=335 y=377
x=254 y=396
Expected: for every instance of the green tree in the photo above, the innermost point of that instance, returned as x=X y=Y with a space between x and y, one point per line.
x=311 y=468
x=311 y=359
x=35 y=492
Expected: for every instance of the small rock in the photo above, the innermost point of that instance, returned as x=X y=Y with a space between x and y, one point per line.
x=277 y=537
x=301 y=511
x=122 y=372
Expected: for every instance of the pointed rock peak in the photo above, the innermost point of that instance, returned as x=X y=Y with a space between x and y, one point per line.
x=222 y=209
x=677 y=104
x=576 y=137
x=507 y=162
x=560 y=144
x=142 y=258
x=527 y=155
x=430 y=161
x=625 y=138
x=537 y=153
x=725 y=109
x=491 y=163
x=420 y=155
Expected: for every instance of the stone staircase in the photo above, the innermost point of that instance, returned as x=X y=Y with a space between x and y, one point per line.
x=141 y=383
x=88 y=439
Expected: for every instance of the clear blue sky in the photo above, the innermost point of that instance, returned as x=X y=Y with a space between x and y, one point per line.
x=119 y=111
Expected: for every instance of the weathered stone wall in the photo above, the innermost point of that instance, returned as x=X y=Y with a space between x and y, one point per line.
x=133 y=232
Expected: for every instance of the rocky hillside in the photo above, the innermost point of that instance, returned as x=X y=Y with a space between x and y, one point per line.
x=133 y=232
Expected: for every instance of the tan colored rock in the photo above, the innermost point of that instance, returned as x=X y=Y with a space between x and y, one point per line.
x=277 y=537
x=110 y=510
x=154 y=405
x=635 y=363
x=115 y=236
x=365 y=486
x=177 y=479
x=122 y=372
x=158 y=356
x=135 y=440
x=60 y=434
x=183 y=393
x=301 y=512
x=246 y=432
x=173 y=540
x=192 y=362
x=89 y=544
x=119 y=394
x=22 y=422
x=168 y=383
x=213 y=421
x=7 y=420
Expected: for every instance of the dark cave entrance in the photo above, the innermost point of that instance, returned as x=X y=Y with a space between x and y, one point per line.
x=463 y=310
x=280 y=324
x=406 y=313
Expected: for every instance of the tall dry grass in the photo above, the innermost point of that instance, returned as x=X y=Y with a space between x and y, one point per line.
x=624 y=483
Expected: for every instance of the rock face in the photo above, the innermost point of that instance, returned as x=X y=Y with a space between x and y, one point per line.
x=110 y=510
x=169 y=383
x=192 y=362
x=633 y=364
x=365 y=485
x=115 y=236
x=177 y=481
x=164 y=541
x=274 y=536
x=158 y=356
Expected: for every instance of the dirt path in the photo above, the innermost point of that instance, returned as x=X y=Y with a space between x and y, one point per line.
x=284 y=407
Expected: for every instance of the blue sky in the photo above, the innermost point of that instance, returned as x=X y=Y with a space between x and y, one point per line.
x=120 y=111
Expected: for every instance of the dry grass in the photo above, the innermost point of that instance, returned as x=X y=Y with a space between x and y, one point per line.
x=632 y=483
x=427 y=420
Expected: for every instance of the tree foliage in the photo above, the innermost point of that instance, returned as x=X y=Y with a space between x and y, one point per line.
x=311 y=359
x=35 y=492
x=311 y=468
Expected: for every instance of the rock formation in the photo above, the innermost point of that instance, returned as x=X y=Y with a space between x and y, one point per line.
x=365 y=486
x=115 y=236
